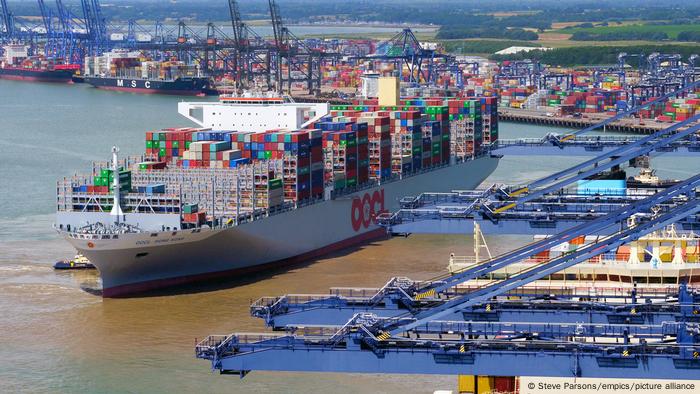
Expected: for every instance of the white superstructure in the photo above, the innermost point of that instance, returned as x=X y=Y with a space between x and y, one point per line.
x=252 y=113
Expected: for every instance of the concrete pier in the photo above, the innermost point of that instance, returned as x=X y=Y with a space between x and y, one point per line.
x=629 y=125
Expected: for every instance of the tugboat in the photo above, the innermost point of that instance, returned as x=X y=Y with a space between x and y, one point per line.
x=79 y=262
x=647 y=179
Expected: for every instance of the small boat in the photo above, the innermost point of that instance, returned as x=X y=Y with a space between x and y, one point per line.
x=79 y=262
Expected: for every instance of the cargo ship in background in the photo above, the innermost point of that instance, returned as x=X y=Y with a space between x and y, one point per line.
x=661 y=260
x=303 y=180
x=18 y=65
x=130 y=72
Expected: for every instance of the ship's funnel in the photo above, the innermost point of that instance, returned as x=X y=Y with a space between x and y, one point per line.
x=389 y=91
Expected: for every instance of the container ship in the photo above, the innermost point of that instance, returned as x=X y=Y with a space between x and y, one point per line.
x=662 y=259
x=18 y=65
x=303 y=180
x=130 y=72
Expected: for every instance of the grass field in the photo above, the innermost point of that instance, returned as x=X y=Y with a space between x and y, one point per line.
x=671 y=30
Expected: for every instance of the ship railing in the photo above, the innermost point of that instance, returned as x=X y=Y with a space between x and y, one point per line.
x=209 y=347
x=354 y=292
x=304 y=298
x=264 y=302
x=588 y=291
x=257 y=337
x=612 y=258
x=270 y=303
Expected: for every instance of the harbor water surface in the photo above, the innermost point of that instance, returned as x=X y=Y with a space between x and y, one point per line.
x=56 y=336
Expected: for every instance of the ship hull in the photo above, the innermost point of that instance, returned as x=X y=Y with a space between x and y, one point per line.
x=56 y=76
x=179 y=87
x=135 y=263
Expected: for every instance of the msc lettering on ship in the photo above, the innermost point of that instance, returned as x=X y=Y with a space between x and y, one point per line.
x=365 y=209
x=120 y=83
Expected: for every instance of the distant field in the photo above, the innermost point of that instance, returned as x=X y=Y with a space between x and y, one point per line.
x=671 y=30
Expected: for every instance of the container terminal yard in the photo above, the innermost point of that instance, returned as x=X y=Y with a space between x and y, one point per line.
x=487 y=226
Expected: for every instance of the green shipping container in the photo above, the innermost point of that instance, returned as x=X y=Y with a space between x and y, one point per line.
x=340 y=184
x=190 y=208
x=149 y=144
x=274 y=183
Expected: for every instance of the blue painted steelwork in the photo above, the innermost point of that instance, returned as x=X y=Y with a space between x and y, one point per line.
x=541 y=270
x=527 y=72
x=96 y=26
x=587 y=146
x=7 y=29
x=582 y=173
x=361 y=352
x=370 y=344
x=538 y=305
x=495 y=201
x=405 y=50
x=454 y=213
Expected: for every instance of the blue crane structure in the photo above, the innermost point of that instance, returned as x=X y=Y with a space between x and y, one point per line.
x=526 y=72
x=303 y=62
x=418 y=341
x=405 y=50
x=543 y=206
x=96 y=25
x=402 y=294
x=592 y=145
x=436 y=326
x=491 y=204
x=662 y=73
x=7 y=27
x=536 y=304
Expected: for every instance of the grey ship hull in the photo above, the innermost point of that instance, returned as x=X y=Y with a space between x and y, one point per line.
x=134 y=263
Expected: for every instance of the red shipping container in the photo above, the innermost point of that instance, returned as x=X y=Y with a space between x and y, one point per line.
x=504 y=384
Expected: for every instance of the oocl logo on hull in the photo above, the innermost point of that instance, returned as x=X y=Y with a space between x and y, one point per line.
x=365 y=209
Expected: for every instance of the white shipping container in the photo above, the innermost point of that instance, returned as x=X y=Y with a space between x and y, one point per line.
x=116 y=37
x=144 y=37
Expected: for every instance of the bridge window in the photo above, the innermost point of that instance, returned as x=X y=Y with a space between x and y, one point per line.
x=670 y=280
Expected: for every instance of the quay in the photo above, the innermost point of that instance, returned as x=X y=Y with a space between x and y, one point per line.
x=628 y=125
